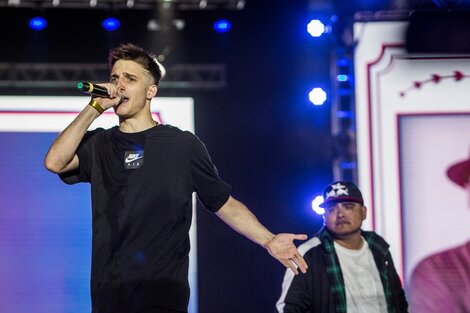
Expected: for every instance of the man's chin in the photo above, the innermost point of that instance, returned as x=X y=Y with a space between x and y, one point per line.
x=344 y=233
x=120 y=111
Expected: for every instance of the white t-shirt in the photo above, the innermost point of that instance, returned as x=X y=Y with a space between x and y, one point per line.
x=364 y=291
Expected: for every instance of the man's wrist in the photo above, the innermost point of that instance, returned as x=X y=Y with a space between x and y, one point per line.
x=267 y=240
x=96 y=106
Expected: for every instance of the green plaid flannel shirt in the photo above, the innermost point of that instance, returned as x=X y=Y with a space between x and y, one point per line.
x=378 y=246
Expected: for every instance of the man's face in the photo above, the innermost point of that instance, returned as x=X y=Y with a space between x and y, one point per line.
x=134 y=85
x=344 y=218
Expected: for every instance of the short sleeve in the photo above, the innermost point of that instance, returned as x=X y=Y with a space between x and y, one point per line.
x=212 y=191
x=84 y=153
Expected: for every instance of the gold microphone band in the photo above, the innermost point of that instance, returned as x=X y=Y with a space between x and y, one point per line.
x=96 y=105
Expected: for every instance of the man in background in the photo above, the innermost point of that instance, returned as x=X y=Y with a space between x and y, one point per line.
x=350 y=270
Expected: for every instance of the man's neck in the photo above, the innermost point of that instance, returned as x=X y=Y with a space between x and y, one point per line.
x=133 y=125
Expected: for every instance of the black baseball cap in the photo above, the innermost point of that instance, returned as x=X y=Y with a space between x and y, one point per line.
x=341 y=191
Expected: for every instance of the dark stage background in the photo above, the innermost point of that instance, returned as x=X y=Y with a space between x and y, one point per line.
x=265 y=137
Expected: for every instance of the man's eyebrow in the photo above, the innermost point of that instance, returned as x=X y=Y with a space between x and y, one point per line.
x=129 y=75
x=124 y=74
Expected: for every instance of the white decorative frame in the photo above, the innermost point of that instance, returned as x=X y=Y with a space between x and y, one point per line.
x=392 y=84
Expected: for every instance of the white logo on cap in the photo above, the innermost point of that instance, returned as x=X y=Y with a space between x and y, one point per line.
x=337 y=190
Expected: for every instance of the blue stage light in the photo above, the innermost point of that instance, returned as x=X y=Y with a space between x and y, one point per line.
x=348 y=165
x=316 y=205
x=316 y=28
x=222 y=26
x=37 y=23
x=317 y=96
x=342 y=78
x=111 y=24
x=344 y=114
x=343 y=62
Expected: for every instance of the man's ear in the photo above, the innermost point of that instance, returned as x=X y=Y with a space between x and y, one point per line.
x=152 y=91
x=364 y=212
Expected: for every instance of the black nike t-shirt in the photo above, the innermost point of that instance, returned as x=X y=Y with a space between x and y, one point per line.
x=142 y=185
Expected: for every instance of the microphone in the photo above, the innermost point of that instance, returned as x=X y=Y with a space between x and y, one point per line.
x=93 y=89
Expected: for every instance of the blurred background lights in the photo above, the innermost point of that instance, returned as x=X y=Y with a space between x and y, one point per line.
x=179 y=24
x=316 y=205
x=37 y=23
x=154 y=25
x=111 y=24
x=316 y=28
x=317 y=96
x=342 y=77
x=222 y=26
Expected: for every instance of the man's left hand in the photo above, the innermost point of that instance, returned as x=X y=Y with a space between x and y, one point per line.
x=282 y=248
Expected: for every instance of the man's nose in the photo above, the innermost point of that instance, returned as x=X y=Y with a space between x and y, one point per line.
x=340 y=211
x=120 y=85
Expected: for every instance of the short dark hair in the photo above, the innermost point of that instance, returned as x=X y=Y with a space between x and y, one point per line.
x=137 y=54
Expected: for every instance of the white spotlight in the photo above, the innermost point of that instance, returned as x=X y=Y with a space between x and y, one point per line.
x=316 y=205
x=179 y=24
x=317 y=96
x=240 y=4
x=316 y=28
x=153 y=25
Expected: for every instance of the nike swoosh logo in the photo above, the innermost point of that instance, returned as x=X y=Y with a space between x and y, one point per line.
x=132 y=158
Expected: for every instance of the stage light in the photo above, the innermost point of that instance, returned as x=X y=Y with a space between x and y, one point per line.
x=317 y=96
x=153 y=25
x=111 y=24
x=14 y=3
x=344 y=114
x=179 y=24
x=37 y=23
x=342 y=77
x=240 y=4
x=316 y=28
x=316 y=205
x=348 y=165
x=167 y=4
x=222 y=26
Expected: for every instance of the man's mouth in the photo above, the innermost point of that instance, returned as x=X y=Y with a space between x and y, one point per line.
x=123 y=99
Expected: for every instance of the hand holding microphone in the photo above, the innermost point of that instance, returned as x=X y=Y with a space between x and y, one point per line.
x=93 y=89
x=99 y=91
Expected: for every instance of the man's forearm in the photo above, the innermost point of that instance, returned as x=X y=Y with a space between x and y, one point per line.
x=242 y=220
x=62 y=151
x=280 y=246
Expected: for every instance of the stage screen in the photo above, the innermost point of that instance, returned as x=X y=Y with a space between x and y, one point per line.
x=45 y=225
x=432 y=204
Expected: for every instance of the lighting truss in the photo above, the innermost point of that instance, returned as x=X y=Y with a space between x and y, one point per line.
x=65 y=75
x=126 y=4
